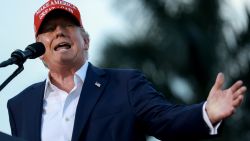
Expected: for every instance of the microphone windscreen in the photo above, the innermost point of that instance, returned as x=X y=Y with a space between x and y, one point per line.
x=37 y=49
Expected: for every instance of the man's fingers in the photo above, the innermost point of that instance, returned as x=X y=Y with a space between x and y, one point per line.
x=242 y=90
x=236 y=86
x=219 y=81
x=238 y=101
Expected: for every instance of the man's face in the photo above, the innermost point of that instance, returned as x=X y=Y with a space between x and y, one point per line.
x=64 y=42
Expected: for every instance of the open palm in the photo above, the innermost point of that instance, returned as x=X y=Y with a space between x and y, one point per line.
x=223 y=103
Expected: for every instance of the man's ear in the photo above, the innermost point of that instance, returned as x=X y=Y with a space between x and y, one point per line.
x=86 y=42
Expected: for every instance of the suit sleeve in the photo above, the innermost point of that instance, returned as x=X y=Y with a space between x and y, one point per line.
x=162 y=119
x=11 y=120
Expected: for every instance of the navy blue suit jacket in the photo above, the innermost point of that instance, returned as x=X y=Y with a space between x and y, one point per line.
x=6 y=137
x=124 y=108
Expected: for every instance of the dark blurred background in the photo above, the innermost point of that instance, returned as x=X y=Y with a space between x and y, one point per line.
x=181 y=45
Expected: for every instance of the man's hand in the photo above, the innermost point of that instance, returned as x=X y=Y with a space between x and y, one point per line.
x=223 y=103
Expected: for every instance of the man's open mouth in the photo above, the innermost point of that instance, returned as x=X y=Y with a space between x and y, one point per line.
x=63 y=45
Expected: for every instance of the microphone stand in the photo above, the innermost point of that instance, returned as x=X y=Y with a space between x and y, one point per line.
x=18 y=57
x=19 y=63
x=13 y=75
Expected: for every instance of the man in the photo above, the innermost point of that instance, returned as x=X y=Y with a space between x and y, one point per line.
x=80 y=102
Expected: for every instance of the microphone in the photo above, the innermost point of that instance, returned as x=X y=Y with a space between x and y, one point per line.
x=18 y=57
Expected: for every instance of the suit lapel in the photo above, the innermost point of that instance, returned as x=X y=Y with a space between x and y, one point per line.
x=92 y=89
x=34 y=111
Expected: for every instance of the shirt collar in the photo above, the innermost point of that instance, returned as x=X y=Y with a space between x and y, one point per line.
x=81 y=73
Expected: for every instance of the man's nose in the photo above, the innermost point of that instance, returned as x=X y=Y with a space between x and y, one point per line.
x=59 y=31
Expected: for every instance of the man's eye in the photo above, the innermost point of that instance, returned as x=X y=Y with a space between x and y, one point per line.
x=68 y=25
x=49 y=29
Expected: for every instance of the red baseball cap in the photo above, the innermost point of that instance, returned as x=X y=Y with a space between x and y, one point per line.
x=52 y=5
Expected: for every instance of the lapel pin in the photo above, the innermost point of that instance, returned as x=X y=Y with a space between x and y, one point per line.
x=98 y=84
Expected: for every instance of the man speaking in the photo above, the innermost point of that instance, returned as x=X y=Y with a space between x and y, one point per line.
x=81 y=102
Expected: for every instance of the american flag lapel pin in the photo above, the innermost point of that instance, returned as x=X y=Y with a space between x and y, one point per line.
x=98 y=84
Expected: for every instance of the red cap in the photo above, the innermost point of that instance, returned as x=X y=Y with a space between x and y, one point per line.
x=52 y=5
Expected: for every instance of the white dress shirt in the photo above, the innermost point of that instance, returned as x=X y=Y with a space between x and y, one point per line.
x=213 y=129
x=59 y=108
